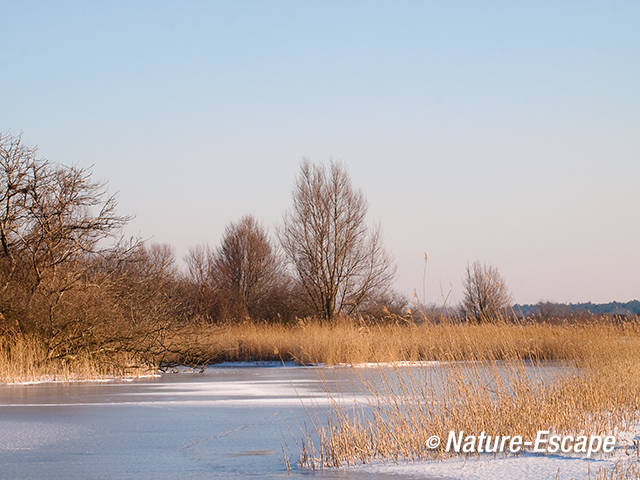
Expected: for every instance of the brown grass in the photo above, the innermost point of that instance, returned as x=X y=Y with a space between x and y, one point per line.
x=23 y=358
x=623 y=471
x=504 y=392
x=349 y=341
x=499 y=398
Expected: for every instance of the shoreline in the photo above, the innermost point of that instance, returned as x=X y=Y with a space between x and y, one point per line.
x=46 y=381
x=182 y=369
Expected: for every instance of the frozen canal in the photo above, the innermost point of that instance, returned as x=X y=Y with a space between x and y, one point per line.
x=228 y=422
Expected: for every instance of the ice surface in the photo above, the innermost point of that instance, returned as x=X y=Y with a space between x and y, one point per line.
x=232 y=421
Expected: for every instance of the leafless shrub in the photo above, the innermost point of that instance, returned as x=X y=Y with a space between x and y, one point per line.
x=247 y=268
x=486 y=295
x=389 y=305
x=198 y=286
x=549 y=311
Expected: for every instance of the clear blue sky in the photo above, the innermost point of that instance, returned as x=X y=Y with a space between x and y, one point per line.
x=507 y=132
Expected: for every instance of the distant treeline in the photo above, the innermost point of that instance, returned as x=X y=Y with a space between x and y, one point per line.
x=557 y=309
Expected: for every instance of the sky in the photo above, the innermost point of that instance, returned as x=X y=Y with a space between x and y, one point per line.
x=504 y=132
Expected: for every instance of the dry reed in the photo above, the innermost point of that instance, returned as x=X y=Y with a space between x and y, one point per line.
x=23 y=358
x=348 y=341
x=504 y=392
x=498 y=398
x=345 y=341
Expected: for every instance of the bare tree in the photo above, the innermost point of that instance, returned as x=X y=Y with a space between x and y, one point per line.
x=199 y=261
x=247 y=266
x=67 y=277
x=202 y=287
x=53 y=219
x=338 y=259
x=486 y=295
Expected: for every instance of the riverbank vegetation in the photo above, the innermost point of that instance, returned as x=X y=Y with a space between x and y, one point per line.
x=347 y=340
x=81 y=299
x=595 y=393
x=350 y=340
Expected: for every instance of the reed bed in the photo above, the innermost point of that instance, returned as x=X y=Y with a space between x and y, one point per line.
x=348 y=341
x=24 y=358
x=507 y=390
x=495 y=397
x=623 y=471
x=345 y=341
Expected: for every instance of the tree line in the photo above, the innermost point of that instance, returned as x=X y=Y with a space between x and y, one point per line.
x=69 y=274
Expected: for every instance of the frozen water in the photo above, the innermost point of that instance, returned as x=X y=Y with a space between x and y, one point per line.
x=228 y=422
